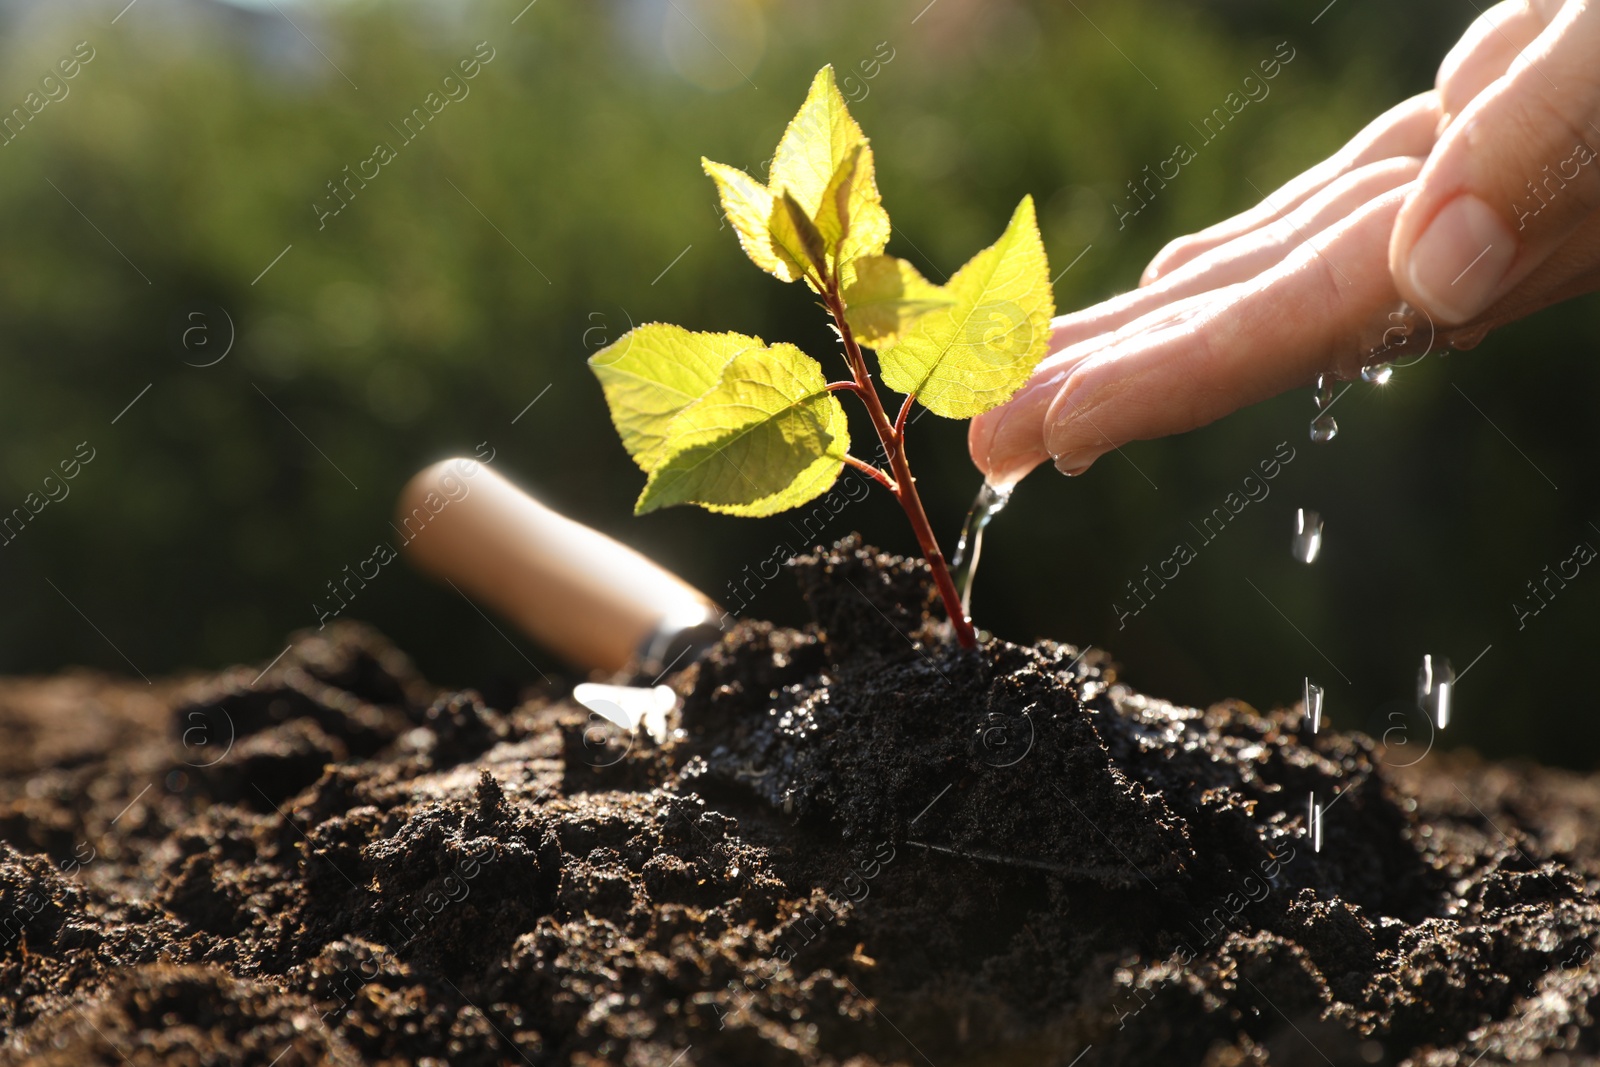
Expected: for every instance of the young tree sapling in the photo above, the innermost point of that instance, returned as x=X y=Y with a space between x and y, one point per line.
x=739 y=426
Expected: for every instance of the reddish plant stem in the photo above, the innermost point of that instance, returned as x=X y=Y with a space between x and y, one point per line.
x=872 y=472
x=900 y=419
x=905 y=487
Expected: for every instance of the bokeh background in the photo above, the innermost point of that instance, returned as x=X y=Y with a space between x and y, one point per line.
x=530 y=222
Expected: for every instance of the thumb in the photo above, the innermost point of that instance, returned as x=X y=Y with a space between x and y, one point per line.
x=1514 y=174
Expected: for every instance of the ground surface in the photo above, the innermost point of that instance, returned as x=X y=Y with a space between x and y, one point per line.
x=861 y=847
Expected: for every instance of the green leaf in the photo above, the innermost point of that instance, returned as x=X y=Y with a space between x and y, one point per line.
x=969 y=357
x=833 y=214
x=749 y=205
x=795 y=233
x=824 y=164
x=652 y=372
x=887 y=296
x=819 y=138
x=823 y=152
x=852 y=219
x=768 y=437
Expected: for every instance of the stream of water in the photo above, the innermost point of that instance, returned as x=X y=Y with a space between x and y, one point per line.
x=991 y=500
x=1436 y=683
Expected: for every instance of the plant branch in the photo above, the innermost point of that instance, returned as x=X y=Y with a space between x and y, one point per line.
x=905 y=486
x=847 y=386
x=873 y=472
x=900 y=419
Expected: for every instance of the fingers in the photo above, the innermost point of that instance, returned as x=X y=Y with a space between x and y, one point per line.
x=1252 y=340
x=1511 y=178
x=1573 y=269
x=1008 y=442
x=1485 y=52
x=1407 y=129
x=1244 y=257
x=1501 y=220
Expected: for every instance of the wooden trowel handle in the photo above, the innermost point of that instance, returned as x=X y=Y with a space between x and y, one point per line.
x=574 y=590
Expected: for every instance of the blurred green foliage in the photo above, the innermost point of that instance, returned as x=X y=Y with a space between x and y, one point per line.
x=530 y=222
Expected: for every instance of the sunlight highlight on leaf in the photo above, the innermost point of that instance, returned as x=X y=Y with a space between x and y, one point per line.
x=966 y=358
x=652 y=372
x=767 y=438
x=748 y=206
x=887 y=296
x=825 y=164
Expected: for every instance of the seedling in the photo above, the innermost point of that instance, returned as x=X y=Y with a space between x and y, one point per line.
x=742 y=427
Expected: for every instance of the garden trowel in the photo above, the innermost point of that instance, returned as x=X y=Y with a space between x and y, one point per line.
x=598 y=603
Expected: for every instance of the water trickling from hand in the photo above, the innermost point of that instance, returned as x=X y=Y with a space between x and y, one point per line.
x=991 y=500
x=1313 y=705
x=1314 y=811
x=1436 y=682
x=1323 y=427
x=1307 y=540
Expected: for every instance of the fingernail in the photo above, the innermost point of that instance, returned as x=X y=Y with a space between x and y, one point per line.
x=1457 y=264
x=1075 y=463
x=1007 y=442
x=1064 y=442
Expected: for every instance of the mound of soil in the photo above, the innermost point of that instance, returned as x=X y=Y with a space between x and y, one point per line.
x=860 y=845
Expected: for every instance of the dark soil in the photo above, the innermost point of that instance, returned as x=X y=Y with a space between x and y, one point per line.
x=861 y=845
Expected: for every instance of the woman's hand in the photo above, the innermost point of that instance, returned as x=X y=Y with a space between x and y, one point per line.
x=1475 y=203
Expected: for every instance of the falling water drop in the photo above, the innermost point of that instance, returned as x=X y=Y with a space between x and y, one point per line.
x=1378 y=373
x=1307 y=540
x=1314 y=812
x=1323 y=427
x=1435 y=684
x=991 y=500
x=1313 y=704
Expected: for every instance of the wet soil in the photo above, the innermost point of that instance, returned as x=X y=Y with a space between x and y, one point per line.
x=859 y=846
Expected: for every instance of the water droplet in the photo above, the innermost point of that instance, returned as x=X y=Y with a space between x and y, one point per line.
x=991 y=500
x=1307 y=540
x=1407 y=336
x=1314 y=823
x=1313 y=704
x=1418 y=343
x=1324 y=395
x=1323 y=428
x=1435 y=683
